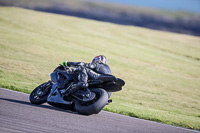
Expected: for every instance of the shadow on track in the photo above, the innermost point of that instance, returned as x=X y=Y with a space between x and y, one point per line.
x=53 y=107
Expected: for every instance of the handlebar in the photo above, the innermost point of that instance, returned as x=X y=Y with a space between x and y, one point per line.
x=69 y=70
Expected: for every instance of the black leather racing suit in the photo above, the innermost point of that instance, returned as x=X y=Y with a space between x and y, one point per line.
x=90 y=70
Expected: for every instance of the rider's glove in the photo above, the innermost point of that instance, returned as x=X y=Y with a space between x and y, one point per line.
x=64 y=63
x=70 y=71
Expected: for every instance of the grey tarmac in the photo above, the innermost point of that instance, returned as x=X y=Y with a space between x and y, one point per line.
x=18 y=115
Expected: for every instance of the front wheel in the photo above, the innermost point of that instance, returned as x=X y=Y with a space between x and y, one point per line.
x=39 y=94
x=94 y=106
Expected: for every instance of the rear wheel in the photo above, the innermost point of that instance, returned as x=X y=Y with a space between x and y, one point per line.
x=94 y=106
x=39 y=94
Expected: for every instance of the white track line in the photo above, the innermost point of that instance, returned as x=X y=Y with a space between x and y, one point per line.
x=14 y=91
x=154 y=122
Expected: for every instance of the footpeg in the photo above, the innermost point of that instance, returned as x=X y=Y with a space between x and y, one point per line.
x=109 y=101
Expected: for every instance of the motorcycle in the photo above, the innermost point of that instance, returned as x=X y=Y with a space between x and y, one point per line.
x=58 y=91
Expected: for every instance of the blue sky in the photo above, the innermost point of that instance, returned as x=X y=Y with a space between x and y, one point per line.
x=187 y=5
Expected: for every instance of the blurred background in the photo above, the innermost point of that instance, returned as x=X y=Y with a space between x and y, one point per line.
x=180 y=16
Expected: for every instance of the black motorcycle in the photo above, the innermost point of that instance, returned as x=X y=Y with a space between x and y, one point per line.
x=58 y=91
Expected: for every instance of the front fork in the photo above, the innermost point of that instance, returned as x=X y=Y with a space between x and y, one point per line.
x=53 y=89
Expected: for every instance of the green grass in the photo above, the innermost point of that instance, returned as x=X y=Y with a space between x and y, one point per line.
x=161 y=69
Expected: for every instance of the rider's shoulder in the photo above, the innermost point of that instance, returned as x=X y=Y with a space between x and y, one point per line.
x=102 y=64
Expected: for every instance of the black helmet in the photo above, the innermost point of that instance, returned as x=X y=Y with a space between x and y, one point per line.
x=100 y=59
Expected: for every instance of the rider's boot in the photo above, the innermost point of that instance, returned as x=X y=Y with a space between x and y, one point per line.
x=80 y=85
x=76 y=87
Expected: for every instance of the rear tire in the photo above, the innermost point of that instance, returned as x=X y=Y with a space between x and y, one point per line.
x=35 y=98
x=94 y=106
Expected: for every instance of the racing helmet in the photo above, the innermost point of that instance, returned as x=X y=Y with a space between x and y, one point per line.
x=100 y=59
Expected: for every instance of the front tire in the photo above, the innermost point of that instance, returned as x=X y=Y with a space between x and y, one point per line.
x=94 y=106
x=39 y=94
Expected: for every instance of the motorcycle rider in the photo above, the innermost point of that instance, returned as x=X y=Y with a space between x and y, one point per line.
x=89 y=71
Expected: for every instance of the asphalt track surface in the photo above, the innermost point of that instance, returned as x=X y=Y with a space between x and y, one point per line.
x=18 y=115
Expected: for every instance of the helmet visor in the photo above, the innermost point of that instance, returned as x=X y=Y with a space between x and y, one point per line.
x=100 y=59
